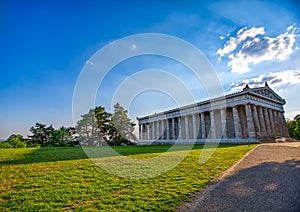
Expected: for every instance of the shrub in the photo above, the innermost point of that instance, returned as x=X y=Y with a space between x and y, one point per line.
x=16 y=141
x=19 y=144
x=5 y=145
x=31 y=144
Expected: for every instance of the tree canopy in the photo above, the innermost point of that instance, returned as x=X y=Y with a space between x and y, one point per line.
x=294 y=127
x=62 y=136
x=87 y=130
x=123 y=126
x=40 y=133
x=16 y=141
x=99 y=127
x=48 y=136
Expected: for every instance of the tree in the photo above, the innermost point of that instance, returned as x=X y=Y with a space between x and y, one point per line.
x=99 y=126
x=123 y=126
x=40 y=134
x=16 y=141
x=104 y=123
x=87 y=130
x=294 y=127
x=62 y=136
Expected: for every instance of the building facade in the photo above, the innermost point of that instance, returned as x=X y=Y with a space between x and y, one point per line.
x=253 y=114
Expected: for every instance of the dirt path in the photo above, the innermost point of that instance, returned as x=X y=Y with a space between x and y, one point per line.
x=266 y=179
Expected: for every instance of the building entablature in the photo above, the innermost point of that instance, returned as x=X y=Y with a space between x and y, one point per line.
x=261 y=97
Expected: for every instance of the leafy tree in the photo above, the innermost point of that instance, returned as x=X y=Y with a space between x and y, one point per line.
x=87 y=130
x=104 y=123
x=16 y=141
x=294 y=127
x=291 y=124
x=99 y=126
x=62 y=136
x=40 y=134
x=123 y=126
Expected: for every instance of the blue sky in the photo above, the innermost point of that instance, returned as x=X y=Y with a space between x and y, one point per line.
x=45 y=45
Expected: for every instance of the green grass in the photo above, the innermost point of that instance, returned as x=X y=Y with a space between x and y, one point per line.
x=64 y=179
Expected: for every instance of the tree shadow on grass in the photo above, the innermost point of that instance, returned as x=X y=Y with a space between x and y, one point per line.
x=46 y=154
x=269 y=186
x=52 y=154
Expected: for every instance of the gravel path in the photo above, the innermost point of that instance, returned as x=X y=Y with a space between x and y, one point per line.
x=266 y=179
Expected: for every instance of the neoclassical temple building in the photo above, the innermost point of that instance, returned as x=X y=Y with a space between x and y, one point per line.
x=253 y=114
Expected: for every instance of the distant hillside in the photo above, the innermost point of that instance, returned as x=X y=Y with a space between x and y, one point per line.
x=2 y=139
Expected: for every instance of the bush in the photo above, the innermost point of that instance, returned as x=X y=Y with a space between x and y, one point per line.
x=16 y=141
x=19 y=144
x=294 y=127
x=120 y=141
x=31 y=144
x=5 y=145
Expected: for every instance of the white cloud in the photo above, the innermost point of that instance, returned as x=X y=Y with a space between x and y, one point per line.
x=133 y=46
x=264 y=49
x=255 y=50
x=275 y=80
x=289 y=28
x=242 y=35
x=89 y=62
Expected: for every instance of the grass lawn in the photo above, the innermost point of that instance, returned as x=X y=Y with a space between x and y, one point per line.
x=64 y=179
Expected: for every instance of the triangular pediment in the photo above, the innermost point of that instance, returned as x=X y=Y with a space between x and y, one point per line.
x=268 y=93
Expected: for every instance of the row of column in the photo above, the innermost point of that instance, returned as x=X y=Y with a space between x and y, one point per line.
x=242 y=121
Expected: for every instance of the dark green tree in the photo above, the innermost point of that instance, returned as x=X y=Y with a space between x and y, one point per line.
x=62 y=136
x=40 y=134
x=294 y=127
x=123 y=126
x=104 y=124
x=87 y=129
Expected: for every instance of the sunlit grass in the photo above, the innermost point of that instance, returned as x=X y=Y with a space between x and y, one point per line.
x=65 y=179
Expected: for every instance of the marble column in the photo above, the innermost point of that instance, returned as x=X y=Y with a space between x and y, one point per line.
x=202 y=118
x=140 y=131
x=262 y=122
x=237 y=123
x=256 y=121
x=223 y=123
x=161 y=129
x=194 y=122
x=150 y=130
x=163 y=126
x=272 y=122
x=276 y=123
x=280 y=123
x=173 y=129
x=198 y=126
x=147 y=132
x=186 y=127
x=212 y=133
x=179 y=128
x=267 y=121
x=168 y=129
x=250 y=124
x=153 y=130
x=157 y=130
x=143 y=131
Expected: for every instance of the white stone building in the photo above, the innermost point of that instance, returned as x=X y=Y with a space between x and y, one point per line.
x=254 y=114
